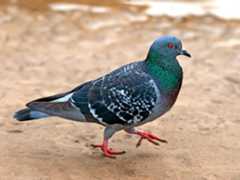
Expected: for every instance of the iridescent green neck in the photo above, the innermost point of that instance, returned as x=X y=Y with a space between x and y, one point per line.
x=167 y=72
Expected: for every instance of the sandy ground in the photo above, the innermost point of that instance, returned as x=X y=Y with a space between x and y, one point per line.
x=43 y=54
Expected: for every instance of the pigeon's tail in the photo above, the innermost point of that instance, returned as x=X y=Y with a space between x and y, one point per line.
x=28 y=114
x=34 y=113
x=58 y=105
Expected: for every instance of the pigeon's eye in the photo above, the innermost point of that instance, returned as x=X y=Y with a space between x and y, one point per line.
x=170 y=45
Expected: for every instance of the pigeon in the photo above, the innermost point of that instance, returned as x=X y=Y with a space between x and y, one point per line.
x=123 y=99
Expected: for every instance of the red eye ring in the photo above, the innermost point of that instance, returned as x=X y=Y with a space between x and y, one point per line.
x=170 y=45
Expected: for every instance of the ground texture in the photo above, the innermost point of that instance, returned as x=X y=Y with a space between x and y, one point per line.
x=45 y=53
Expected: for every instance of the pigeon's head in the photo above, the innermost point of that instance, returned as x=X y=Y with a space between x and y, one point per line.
x=166 y=48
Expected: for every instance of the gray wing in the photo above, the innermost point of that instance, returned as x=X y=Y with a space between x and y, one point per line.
x=125 y=96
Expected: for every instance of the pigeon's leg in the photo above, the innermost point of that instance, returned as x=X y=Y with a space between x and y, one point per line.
x=108 y=152
x=145 y=135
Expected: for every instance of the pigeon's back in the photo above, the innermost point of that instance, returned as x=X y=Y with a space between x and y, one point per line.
x=125 y=96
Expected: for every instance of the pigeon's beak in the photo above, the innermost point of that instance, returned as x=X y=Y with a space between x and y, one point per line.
x=185 y=53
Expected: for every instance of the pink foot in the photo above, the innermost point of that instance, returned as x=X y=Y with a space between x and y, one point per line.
x=108 y=152
x=150 y=137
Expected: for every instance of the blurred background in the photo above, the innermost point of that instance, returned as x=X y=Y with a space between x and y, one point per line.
x=50 y=46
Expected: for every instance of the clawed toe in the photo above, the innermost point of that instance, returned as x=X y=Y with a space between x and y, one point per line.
x=150 y=137
x=108 y=152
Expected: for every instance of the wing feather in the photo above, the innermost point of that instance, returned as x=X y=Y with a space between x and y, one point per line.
x=125 y=96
